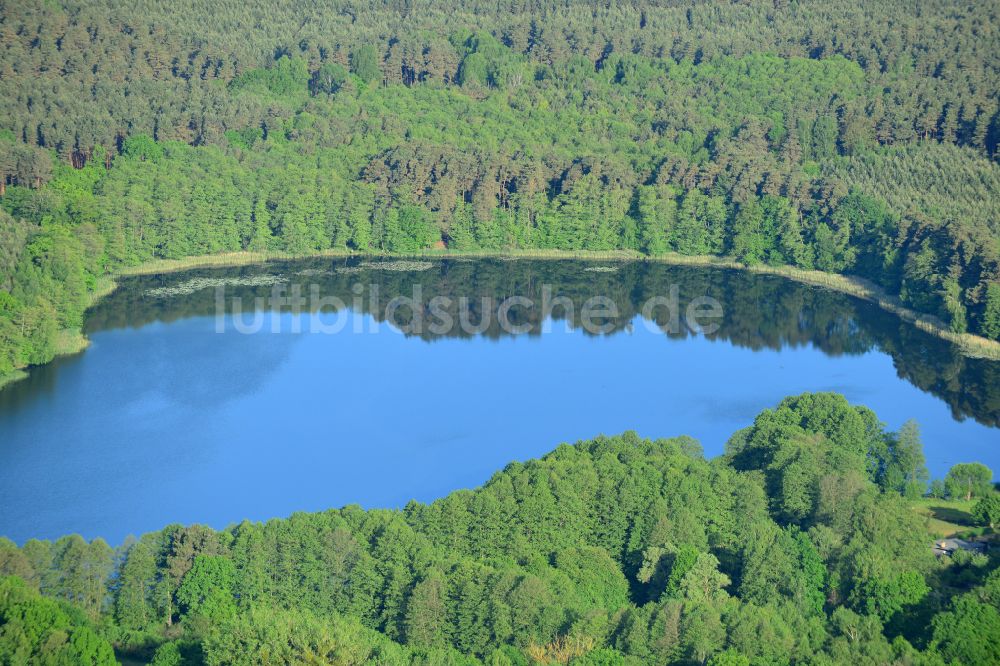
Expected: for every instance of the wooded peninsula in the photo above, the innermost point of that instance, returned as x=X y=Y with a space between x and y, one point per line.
x=808 y=541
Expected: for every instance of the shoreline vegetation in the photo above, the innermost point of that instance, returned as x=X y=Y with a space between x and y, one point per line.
x=471 y=134
x=73 y=341
x=597 y=545
x=850 y=149
x=69 y=341
x=970 y=345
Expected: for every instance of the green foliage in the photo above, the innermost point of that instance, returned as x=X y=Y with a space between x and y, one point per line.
x=805 y=438
x=729 y=658
x=142 y=147
x=408 y=229
x=244 y=138
x=207 y=589
x=682 y=562
x=328 y=79
x=484 y=143
x=178 y=653
x=473 y=70
x=38 y=631
x=612 y=551
x=987 y=510
x=136 y=608
x=657 y=216
x=365 y=63
x=902 y=466
x=868 y=151
x=991 y=314
x=600 y=657
x=700 y=224
x=290 y=637
x=884 y=596
x=287 y=78
x=968 y=633
x=968 y=480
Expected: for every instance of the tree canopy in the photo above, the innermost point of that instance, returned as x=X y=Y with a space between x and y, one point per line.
x=793 y=547
x=832 y=136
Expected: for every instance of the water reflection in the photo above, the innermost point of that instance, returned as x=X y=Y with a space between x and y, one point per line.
x=164 y=420
x=760 y=312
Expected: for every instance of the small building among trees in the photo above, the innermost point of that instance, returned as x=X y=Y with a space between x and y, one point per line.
x=949 y=546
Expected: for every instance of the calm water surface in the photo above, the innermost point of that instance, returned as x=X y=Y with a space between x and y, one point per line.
x=163 y=419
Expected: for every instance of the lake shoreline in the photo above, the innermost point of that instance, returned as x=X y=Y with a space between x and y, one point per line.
x=72 y=341
x=970 y=345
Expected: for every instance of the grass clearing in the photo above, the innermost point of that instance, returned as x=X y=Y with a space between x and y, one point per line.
x=945 y=517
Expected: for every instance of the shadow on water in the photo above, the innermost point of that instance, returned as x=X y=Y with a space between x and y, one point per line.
x=230 y=366
x=163 y=420
x=759 y=312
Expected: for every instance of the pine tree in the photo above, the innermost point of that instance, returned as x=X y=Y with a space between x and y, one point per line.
x=262 y=239
x=460 y=232
x=366 y=63
x=991 y=314
x=134 y=608
x=426 y=612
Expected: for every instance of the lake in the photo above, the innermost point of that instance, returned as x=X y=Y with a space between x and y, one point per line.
x=332 y=382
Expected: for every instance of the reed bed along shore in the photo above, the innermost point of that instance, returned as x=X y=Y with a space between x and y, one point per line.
x=970 y=345
x=231 y=259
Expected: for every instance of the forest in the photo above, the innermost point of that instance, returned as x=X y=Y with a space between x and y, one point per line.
x=860 y=140
x=800 y=544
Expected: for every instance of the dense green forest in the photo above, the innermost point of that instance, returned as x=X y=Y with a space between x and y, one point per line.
x=799 y=545
x=855 y=138
x=821 y=134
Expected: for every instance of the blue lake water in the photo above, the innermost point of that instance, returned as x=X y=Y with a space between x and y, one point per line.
x=165 y=420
